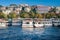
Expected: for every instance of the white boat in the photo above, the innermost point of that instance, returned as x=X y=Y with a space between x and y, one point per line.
x=3 y=23
x=27 y=23
x=38 y=24
x=56 y=22
x=47 y=22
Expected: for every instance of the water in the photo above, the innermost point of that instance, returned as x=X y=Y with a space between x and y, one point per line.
x=17 y=33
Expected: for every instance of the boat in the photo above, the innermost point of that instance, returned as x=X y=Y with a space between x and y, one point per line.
x=9 y=22
x=3 y=23
x=27 y=23
x=56 y=22
x=47 y=22
x=38 y=23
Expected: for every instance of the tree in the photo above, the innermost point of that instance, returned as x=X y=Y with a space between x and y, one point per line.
x=48 y=15
x=32 y=14
x=12 y=15
x=53 y=15
x=24 y=15
x=53 y=10
x=39 y=15
x=2 y=15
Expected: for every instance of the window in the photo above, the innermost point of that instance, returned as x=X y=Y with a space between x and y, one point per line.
x=33 y=22
x=27 y=22
x=39 y=23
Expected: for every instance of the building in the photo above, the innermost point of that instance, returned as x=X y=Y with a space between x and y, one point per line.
x=42 y=9
x=27 y=9
x=58 y=10
x=3 y=8
x=18 y=10
x=6 y=11
x=23 y=5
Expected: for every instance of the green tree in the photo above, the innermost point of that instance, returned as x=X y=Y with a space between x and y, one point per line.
x=12 y=15
x=32 y=14
x=53 y=10
x=24 y=15
x=39 y=15
x=2 y=15
x=48 y=15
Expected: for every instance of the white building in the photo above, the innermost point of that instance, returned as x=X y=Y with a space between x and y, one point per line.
x=27 y=9
x=43 y=9
x=3 y=8
x=58 y=10
x=18 y=10
x=6 y=11
x=23 y=5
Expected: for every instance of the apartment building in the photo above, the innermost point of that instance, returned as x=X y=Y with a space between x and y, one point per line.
x=42 y=9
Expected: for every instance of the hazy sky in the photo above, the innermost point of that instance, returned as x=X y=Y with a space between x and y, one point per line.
x=31 y=2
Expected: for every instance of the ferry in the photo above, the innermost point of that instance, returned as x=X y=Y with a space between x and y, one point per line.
x=16 y=22
x=56 y=22
x=3 y=23
x=27 y=23
x=47 y=22
x=38 y=23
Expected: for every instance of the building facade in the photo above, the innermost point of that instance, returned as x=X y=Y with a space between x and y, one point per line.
x=42 y=9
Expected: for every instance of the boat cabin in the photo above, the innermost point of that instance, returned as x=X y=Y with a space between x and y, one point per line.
x=27 y=23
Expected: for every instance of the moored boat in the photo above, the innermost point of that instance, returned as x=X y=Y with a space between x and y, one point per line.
x=27 y=23
x=3 y=23
x=47 y=22
x=38 y=23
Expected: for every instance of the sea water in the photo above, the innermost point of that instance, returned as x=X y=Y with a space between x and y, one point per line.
x=18 y=33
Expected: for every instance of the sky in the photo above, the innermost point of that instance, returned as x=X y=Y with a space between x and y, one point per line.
x=31 y=2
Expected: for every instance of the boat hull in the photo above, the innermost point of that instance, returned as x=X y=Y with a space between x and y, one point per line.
x=3 y=25
x=27 y=26
x=39 y=25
